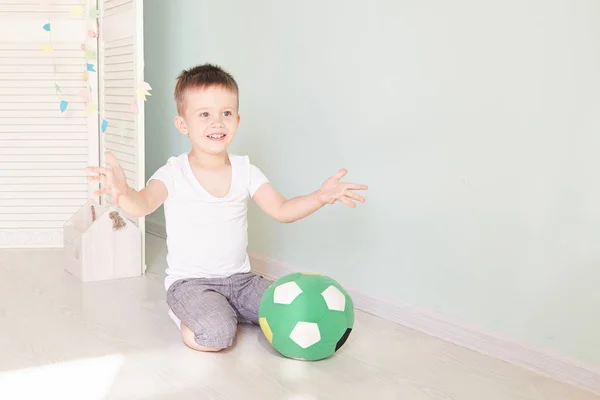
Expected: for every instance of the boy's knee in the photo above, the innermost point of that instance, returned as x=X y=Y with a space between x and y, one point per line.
x=210 y=340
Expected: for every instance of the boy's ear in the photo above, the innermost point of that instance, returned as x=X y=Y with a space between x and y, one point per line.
x=180 y=125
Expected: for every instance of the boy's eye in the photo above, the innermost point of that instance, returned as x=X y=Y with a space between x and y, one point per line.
x=228 y=113
x=204 y=114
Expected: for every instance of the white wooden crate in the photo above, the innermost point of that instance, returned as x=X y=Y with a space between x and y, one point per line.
x=95 y=250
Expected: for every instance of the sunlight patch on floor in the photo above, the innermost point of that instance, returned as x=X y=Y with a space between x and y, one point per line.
x=89 y=379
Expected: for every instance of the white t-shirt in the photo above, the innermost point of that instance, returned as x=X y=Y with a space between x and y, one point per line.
x=207 y=236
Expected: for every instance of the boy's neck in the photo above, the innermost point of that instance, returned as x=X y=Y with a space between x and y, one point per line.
x=208 y=160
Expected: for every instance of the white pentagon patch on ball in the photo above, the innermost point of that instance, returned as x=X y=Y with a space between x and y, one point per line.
x=286 y=293
x=305 y=334
x=335 y=299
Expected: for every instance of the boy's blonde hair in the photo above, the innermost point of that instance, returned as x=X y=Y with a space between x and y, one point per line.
x=201 y=77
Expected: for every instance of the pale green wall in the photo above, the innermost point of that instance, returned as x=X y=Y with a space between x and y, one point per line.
x=475 y=123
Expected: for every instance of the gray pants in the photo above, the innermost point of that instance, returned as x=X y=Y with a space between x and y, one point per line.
x=212 y=308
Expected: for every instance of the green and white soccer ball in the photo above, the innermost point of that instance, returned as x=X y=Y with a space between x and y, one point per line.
x=306 y=316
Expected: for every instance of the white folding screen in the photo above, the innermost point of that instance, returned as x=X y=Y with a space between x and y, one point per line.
x=123 y=90
x=71 y=88
x=48 y=124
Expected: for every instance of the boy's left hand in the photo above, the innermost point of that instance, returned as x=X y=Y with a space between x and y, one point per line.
x=333 y=190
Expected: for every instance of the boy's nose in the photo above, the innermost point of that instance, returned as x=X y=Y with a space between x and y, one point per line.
x=217 y=123
x=218 y=119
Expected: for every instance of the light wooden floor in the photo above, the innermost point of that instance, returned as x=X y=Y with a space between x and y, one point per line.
x=63 y=340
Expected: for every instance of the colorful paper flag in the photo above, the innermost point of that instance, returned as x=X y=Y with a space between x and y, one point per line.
x=135 y=109
x=143 y=93
x=84 y=75
x=92 y=34
x=56 y=87
x=46 y=27
x=83 y=46
x=104 y=125
x=90 y=67
x=63 y=105
x=94 y=14
x=121 y=128
x=76 y=11
x=91 y=108
x=47 y=48
x=90 y=54
x=143 y=90
x=145 y=86
x=84 y=95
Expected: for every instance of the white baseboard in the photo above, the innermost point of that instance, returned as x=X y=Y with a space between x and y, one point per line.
x=540 y=361
x=31 y=239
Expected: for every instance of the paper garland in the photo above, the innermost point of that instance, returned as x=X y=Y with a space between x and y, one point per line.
x=77 y=10
x=142 y=90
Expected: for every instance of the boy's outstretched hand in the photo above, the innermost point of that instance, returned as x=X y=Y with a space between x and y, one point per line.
x=333 y=190
x=277 y=206
x=112 y=178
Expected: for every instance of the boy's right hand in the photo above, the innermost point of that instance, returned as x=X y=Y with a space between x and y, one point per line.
x=112 y=178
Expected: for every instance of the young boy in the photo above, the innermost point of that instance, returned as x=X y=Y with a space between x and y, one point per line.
x=205 y=192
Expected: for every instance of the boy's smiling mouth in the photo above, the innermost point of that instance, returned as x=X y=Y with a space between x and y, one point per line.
x=216 y=136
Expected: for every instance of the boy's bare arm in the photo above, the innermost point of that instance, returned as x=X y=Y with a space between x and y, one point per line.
x=283 y=210
x=133 y=202
x=143 y=202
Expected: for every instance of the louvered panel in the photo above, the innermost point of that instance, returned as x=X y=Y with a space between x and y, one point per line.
x=115 y=133
x=76 y=107
x=69 y=68
x=17 y=204
x=125 y=141
x=46 y=90
x=57 y=123
x=37 y=98
x=39 y=84
x=123 y=114
x=47 y=188
x=117 y=98
x=122 y=67
x=118 y=59
x=117 y=6
x=31 y=128
x=45 y=195
x=28 y=8
x=37 y=166
x=118 y=92
x=43 y=151
x=44 y=136
x=28 y=159
x=121 y=63
x=124 y=77
x=117 y=107
x=125 y=151
x=56 y=173
x=23 y=144
x=48 y=113
x=39 y=180
x=44 y=209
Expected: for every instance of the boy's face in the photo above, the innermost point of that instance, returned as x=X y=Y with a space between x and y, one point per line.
x=210 y=118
